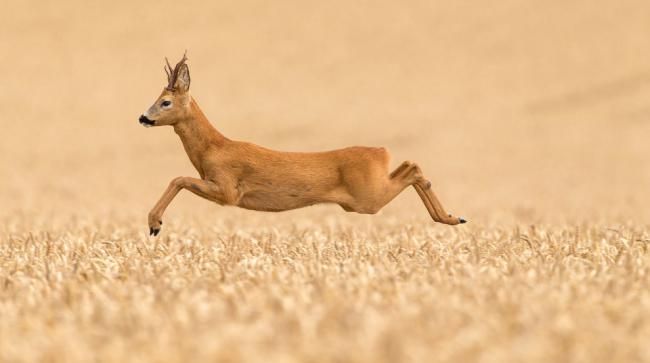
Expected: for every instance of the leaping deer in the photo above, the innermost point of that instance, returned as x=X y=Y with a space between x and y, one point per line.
x=252 y=177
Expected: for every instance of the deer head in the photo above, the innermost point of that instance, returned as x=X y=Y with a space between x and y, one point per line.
x=173 y=103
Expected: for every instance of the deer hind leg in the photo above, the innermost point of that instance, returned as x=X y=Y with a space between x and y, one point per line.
x=400 y=169
x=371 y=197
x=411 y=174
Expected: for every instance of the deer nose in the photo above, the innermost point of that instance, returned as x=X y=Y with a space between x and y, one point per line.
x=144 y=120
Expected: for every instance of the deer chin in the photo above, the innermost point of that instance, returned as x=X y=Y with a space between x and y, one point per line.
x=144 y=121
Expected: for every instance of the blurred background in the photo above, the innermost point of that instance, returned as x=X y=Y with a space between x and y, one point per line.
x=522 y=111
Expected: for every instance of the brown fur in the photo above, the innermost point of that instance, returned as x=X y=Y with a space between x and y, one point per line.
x=252 y=177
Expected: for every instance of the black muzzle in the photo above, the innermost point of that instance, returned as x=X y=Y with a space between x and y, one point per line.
x=144 y=121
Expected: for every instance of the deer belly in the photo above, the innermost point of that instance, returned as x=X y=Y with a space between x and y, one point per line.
x=270 y=201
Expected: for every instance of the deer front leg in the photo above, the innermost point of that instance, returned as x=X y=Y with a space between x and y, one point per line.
x=203 y=188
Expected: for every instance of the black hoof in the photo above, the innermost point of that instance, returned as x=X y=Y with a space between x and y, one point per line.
x=462 y=220
x=154 y=232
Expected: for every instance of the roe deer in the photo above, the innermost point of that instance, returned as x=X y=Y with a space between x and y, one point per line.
x=252 y=177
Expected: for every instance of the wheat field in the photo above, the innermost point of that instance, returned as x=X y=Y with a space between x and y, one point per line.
x=531 y=119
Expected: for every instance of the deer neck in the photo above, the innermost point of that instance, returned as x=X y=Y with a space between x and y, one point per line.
x=198 y=135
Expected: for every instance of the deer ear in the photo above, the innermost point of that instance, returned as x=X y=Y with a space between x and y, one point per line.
x=182 y=83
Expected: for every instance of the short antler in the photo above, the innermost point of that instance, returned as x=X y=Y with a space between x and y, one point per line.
x=172 y=74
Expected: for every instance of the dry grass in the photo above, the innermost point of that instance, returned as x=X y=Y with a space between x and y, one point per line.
x=386 y=292
x=522 y=113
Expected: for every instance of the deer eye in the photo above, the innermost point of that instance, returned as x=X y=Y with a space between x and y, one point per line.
x=166 y=103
